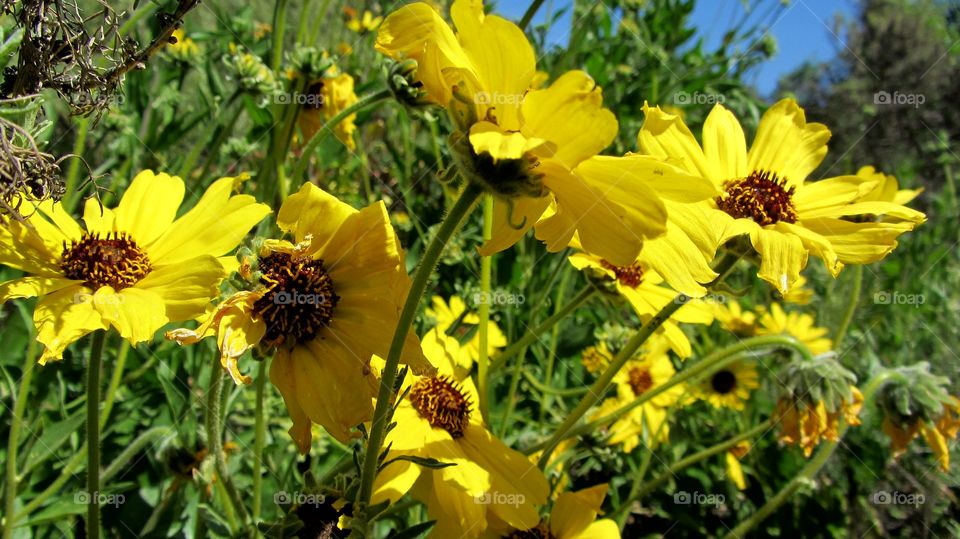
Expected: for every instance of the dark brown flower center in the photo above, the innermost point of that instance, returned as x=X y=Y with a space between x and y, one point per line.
x=631 y=276
x=542 y=531
x=640 y=380
x=114 y=260
x=442 y=403
x=315 y=96
x=723 y=382
x=761 y=196
x=299 y=299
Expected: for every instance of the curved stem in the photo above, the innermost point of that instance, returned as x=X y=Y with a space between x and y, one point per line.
x=431 y=257
x=259 y=439
x=132 y=449
x=93 y=434
x=486 y=270
x=585 y=294
x=686 y=462
x=13 y=441
x=810 y=470
x=327 y=128
x=215 y=441
x=851 y=307
x=544 y=388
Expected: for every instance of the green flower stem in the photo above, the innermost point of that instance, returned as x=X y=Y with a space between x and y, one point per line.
x=707 y=365
x=486 y=270
x=367 y=101
x=544 y=388
x=214 y=420
x=133 y=448
x=532 y=335
x=73 y=172
x=13 y=440
x=388 y=379
x=93 y=433
x=547 y=401
x=531 y=11
x=813 y=466
x=259 y=440
x=851 y=306
x=111 y=395
x=683 y=463
x=279 y=26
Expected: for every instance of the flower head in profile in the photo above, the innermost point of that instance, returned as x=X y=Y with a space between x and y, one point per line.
x=455 y=320
x=326 y=301
x=731 y=386
x=438 y=419
x=133 y=268
x=327 y=97
x=644 y=289
x=804 y=422
x=574 y=516
x=647 y=421
x=532 y=149
x=937 y=432
x=765 y=193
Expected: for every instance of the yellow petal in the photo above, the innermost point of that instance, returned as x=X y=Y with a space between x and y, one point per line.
x=32 y=286
x=724 y=145
x=136 y=314
x=99 y=219
x=601 y=529
x=679 y=261
x=665 y=135
x=569 y=114
x=186 y=289
x=62 y=318
x=786 y=144
x=782 y=258
x=526 y=212
x=284 y=377
x=858 y=243
x=312 y=210
x=486 y=137
x=573 y=512
x=28 y=250
x=814 y=198
x=735 y=471
x=149 y=206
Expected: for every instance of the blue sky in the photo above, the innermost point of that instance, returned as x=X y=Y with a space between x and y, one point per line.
x=803 y=32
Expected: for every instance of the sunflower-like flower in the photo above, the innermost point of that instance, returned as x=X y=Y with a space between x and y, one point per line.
x=805 y=423
x=764 y=193
x=639 y=375
x=731 y=386
x=328 y=96
x=802 y=326
x=732 y=459
x=735 y=319
x=361 y=24
x=533 y=149
x=643 y=288
x=134 y=268
x=574 y=516
x=439 y=420
x=181 y=47
x=936 y=432
x=453 y=319
x=327 y=301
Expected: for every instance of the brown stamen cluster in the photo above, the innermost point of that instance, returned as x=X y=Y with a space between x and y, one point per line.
x=442 y=403
x=299 y=299
x=723 y=382
x=640 y=380
x=761 y=196
x=631 y=276
x=542 y=531
x=114 y=260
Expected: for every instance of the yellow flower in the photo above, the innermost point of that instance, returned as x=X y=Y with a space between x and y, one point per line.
x=574 y=516
x=936 y=433
x=765 y=195
x=261 y=30
x=798 y=325
x=640 y=284
x=731 y=386
x=329 y=96
x=734 y=469
x=328 y=300
x=596 y=358
x=134 y=268
x=886 y=199
x=805 y=423
x=648 y=420
x=438 y=419
x=361 y=25
x=533 y=148
x=465 y=327
x=800 y=294
x=183 y=48
x=735 y=319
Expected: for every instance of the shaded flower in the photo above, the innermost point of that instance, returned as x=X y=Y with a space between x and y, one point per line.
x=731 y=386
x=936 y=433
x=454 y=320
x=327 y=97
x=805 y=423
